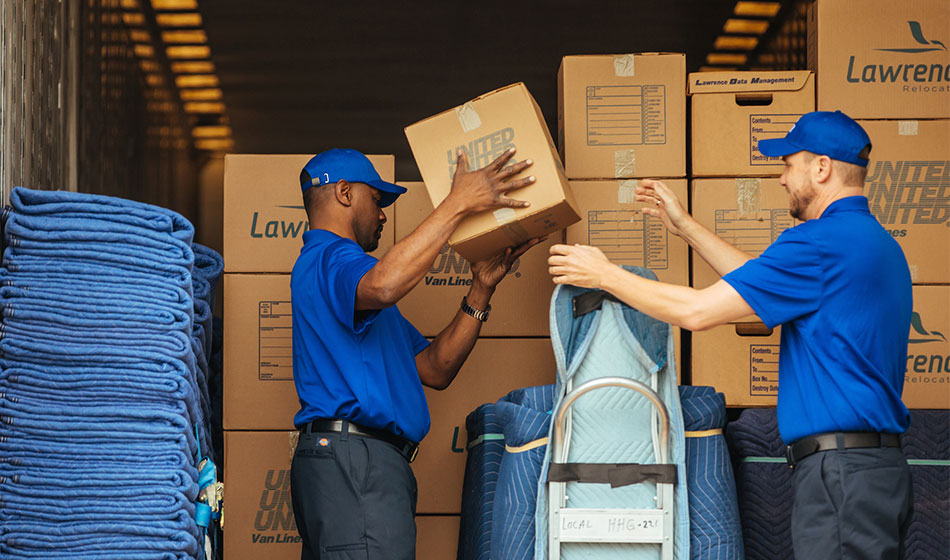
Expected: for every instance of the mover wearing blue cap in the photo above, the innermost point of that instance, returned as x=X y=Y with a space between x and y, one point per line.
x=359 y=366
x=839 y=286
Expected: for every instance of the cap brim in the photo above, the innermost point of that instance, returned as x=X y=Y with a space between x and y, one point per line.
x=389 y=192
x=777 y=147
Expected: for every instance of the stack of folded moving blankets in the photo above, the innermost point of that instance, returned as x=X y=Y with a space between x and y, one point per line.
x=106 y=335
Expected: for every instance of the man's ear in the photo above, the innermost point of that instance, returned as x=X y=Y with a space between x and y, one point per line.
x=822 y=168
x=343 y=191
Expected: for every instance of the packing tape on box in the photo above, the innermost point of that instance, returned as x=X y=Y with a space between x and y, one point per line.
x=625 y=163
x=914 y=273
x=468 y=117
x=504 y=215
x=907 y=128
x=623 y=65
x=747 y=196
x=626 y=192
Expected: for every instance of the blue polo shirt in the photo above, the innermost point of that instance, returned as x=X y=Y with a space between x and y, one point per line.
x=840 y=287
x=359 y=370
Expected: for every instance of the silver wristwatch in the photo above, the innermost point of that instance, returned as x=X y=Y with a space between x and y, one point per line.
x=477 y=313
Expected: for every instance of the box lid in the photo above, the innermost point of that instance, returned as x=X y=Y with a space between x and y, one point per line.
x=460 y=108
x=733 y=82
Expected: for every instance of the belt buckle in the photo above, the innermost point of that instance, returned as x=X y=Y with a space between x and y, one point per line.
x=415 y=451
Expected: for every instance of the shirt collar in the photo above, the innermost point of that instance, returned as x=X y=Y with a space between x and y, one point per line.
x=857 y=203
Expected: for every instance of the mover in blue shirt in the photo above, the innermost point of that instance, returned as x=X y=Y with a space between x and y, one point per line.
x=840 y=287
x=359 y=366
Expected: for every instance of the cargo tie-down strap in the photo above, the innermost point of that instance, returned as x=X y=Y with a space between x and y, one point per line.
x=623 y=474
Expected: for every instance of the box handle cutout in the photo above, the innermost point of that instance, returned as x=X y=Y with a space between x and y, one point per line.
x=753 y=329
x=753 y=99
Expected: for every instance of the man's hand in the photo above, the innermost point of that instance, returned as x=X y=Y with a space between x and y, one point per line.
x=578 y=265
x=490 y=272
x=662 y=203
x=484 y=189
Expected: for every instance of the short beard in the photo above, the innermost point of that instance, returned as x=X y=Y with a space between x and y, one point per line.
x=800 y=202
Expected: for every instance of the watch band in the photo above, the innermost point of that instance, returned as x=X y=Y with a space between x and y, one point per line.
x=477 y=313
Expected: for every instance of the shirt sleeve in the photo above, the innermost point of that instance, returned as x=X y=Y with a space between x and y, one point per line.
x=345 y=265
x=419 y=342
x=785 y=282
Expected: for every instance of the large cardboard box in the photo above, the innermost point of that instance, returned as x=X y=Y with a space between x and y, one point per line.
x=258 y=511
x=259 y=392
x=741 y=360
x=494 y=368
x=623 y=116
x=437 y=537
x=748 y=212
x=484 y=128
x=908 y=189
x=520 y=304
x=880 y=58
x=733 y=111
x=264 y=217
x=611 y=221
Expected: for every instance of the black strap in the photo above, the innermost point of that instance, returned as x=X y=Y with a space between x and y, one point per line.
x=617 y=475
x=591 y=301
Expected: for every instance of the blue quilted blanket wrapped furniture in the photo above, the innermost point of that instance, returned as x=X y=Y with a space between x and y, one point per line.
x=486 y=445
x=106 y=336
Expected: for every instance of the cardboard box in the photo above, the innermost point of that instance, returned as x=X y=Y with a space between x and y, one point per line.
x=437 y=536
x=881 y=59
x=259 y=392
x=258 y=511
x=264 y=217
x=521 y=302
x=484 y=128
x=611 y=221
x=732 y=111
x=749 y=213
x=623 y=116
x=493 y=369
x=741 y=360
x=259 y=516
x=908 y=189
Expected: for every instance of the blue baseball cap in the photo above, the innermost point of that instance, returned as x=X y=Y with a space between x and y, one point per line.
x=825 y=133
x=333 y=165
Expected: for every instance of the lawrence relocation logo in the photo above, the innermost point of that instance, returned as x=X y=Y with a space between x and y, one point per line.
x=275 y=511
x=450 y=269
x=933 y=363
x=261 y=227
x=927 y=78
x=482 y=151
x=909 y=192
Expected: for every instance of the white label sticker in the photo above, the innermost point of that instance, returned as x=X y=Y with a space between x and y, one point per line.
x=611 y=526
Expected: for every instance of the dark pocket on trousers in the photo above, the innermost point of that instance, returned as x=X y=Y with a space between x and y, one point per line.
x=355 y=551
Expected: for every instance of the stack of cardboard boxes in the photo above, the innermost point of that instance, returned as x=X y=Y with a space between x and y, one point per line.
x=891 y=72
x=622 y=118
x=735 y=192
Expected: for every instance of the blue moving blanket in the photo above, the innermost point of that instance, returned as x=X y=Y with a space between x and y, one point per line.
x=486 y=445
x=614 y=425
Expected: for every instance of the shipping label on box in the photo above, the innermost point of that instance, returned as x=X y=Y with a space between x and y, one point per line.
x=520 y=304
x=733 y=111
x=259 y=391
x=623 y=116
x=885 y=60
x=264 y=217
x=493 y=369
x=908 y=190
x=258 y=511
x=749 y=213
x=484 y=128
x=611 y=221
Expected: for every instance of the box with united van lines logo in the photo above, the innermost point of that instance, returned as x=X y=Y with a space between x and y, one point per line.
x=520 y=303
x=741 y=359
x=881 y=59
x=484 y=128
x=733 y=111
x=622 y=116
x=264 y=217
x=258 y=511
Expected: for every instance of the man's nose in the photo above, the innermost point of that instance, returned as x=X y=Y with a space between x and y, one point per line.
x=382 y=217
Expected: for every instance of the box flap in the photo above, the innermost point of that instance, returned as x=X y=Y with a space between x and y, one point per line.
x=479 y=98
x=729 y=82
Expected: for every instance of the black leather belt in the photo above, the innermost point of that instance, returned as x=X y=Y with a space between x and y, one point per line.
x=837 y=440
x=406 y=447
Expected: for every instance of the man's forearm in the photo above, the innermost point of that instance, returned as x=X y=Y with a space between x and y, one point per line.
x=723 y=257
x=440 y=362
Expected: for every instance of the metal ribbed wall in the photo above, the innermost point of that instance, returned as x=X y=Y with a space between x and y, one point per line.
x=77 y=114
